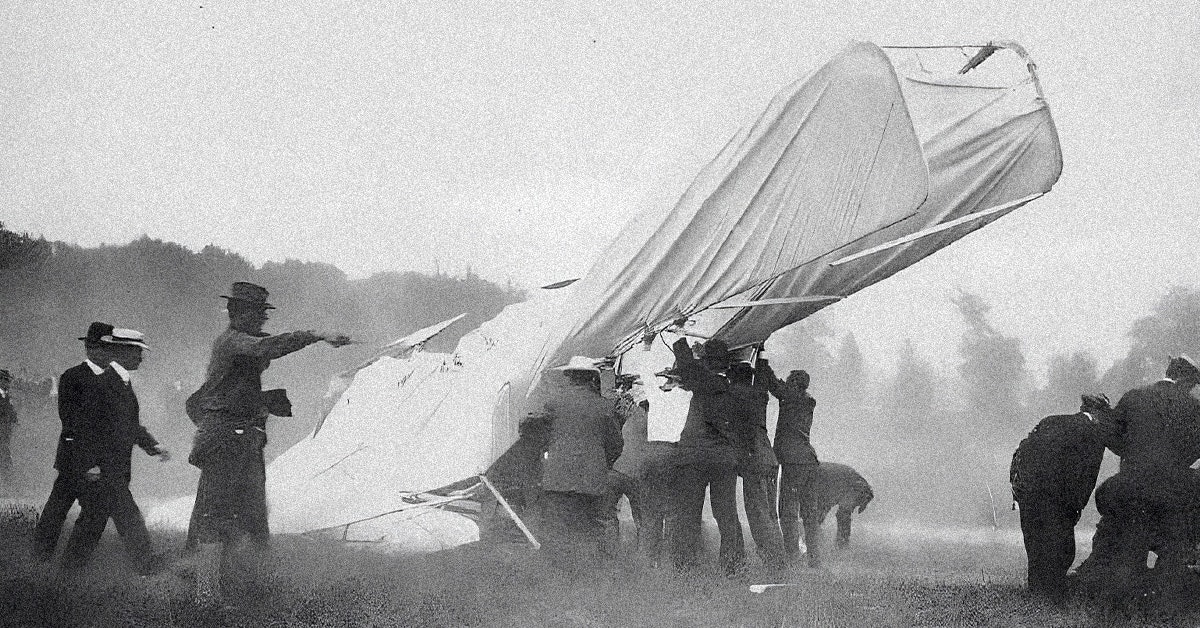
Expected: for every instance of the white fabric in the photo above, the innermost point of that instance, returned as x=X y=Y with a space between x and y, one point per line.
x=986 y=144
x=96 y=368
x=834 y=157
x=121 y=371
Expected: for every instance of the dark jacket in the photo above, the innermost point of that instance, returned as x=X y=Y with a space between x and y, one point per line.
x=584 y=441
x=792 y=431
x=100 y=423
x=710 y=430
x=1059 y=460
x=8 y=414
x=840 y=485
x=1159 y=426
x=757 y=455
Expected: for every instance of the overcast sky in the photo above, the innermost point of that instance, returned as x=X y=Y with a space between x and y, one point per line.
x=517 y=138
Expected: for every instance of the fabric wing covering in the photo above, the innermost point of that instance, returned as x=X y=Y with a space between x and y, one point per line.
x=987 y=143
x=833 y=158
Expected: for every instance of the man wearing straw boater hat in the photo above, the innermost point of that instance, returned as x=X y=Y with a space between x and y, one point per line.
x=230 y=412
x=106 y=494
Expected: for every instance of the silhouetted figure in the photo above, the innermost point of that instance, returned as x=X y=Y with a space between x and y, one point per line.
x=106 y=493
x=797 y=483
x=841 y=486
x=8 y=421
x=584 y=443
x=83 y=412
x=230 y=411
x=1146 y=505
x=757 y=464
x=1053 y=473
x=706 y=457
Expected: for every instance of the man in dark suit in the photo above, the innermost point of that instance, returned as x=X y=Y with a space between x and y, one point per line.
x=8 y=419
x=106 y=494
x=81 y=410
x=801 y=468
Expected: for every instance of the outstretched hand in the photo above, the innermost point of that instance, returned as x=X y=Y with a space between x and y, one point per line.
x=337 y=340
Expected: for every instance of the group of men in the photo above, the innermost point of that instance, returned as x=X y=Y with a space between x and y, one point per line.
x=1146 y=536
x=586 y=451
x=101 y=423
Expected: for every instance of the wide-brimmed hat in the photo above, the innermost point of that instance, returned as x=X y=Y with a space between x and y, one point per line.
x=128 y=337
x=579 y=363
x=248 y=293
x=96 y=331
x=1181 y=365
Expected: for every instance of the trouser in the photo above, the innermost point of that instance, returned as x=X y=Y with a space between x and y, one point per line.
x=67 y=488
x=798 y=502
x=1048 y=527
x=655 y=487
x=844 y=515
x=99 y=502
x=5 y=454
x=758 y=495
x=231 y=502
x=687 y=508
x=1140 y=511
x=619 y=485
x=572 y=527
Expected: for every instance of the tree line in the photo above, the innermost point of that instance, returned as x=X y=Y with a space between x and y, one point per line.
x=51 y=291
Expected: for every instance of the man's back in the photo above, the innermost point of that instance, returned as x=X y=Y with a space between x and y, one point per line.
x=1059 y=459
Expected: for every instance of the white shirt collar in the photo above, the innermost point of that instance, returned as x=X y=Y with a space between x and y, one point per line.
x=97 y=369
x=3 y=394
x=120 y=371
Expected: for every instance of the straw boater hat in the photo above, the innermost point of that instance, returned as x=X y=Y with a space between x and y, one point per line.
x=128 y=337
x=248 y=293
x=96 y=331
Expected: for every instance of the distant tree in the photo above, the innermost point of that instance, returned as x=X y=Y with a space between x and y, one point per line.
x=1172 y=328
x=1067 y=377
x=993 y=373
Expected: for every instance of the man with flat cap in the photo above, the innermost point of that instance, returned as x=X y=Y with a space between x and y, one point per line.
x=82 y=411
x=230 y=412
x=800 y=466
x=1146 y=505
x=106 y=492
x=8 y=420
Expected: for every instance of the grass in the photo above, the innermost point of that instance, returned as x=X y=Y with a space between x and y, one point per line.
x=886 y=579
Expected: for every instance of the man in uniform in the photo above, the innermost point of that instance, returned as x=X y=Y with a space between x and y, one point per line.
x=82 y=411
x=757 y=466
x=1053 y=473
x=106 y=494
x=1145 y=506
x=8 y=420
x=706 y=457
x=230 y=412
x=797 y=484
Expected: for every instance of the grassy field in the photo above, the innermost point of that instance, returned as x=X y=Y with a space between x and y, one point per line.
x=890 y=577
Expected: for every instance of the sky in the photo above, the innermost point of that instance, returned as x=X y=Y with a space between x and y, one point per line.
x=515 y=139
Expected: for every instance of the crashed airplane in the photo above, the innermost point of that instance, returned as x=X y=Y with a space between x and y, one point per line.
x=862 y=168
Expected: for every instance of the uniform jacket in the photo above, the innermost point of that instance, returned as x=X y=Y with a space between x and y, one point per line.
x=792 y=445
x=710 y=432
x=757 y=455
x=100 y=423
x=1159 y=426
x=229 y=409
x=584 y=441
x=1059 y=460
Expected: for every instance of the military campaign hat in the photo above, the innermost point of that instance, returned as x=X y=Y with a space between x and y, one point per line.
x=96 y=331
x=248 y=293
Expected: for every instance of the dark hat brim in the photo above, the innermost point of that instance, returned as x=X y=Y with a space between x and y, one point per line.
x=262 y=304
